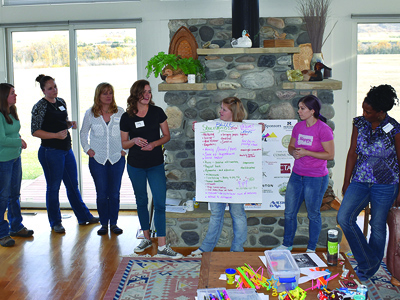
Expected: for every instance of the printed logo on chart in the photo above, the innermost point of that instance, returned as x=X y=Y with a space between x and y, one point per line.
x=268 y=136
x=305 y=139
x=285 y=168
x=276 y=204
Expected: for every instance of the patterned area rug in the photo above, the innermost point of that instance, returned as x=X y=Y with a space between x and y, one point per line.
x=379 y=286
x=140 y=278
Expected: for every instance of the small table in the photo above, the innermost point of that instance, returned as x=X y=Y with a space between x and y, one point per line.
x=213 y=264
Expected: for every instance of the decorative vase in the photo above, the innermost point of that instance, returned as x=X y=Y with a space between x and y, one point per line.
x=317 y=57
x=199 y=78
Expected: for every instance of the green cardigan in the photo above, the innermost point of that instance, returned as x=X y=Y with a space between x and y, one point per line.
x=10 y=141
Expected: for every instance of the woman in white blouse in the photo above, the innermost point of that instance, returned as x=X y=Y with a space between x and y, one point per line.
x=106 y=156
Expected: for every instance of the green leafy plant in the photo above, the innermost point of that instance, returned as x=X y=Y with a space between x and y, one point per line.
x=188 y=65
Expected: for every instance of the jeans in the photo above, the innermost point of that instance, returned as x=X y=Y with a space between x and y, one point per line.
x=60 y=165
x=10 y=185
x=311 y=190
x=107 y=179
x=158 y=186
x=239 y=224
x=368 y=254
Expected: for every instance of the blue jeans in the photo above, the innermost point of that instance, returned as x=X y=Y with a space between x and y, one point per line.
x=107 y=179
x=368 y=254
x=60 y=165
x=311 y=190
x=10 y=185
x=239 y=224
x=158 y=186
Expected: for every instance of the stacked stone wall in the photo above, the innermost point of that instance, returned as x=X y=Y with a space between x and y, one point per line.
x=255 y=78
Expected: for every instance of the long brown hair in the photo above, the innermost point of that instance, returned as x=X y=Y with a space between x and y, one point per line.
x=97 y=105
x=234 y=104
x=5 y=89
x=137 y=90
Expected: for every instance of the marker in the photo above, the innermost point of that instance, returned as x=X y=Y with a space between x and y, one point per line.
x=226 y=295
x=220 y=295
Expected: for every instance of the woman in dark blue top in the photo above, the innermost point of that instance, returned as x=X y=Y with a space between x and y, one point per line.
x=371 y=176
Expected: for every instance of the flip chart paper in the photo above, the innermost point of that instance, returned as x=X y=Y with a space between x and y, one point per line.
x=228 y=162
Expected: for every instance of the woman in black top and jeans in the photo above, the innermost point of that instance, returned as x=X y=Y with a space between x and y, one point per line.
x=50 y=124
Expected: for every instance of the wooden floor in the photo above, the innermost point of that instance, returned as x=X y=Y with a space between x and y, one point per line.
x=76 y=265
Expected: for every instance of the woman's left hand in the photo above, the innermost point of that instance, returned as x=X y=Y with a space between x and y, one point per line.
x=24 y=145
x=71 y=124
x=148 y=147
x=123 y=153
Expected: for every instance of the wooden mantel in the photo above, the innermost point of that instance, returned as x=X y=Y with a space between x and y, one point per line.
x=326 y=84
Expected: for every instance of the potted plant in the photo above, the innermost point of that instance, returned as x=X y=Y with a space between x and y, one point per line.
x=173 y=66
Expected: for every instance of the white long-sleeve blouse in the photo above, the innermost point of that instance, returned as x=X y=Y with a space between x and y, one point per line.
x=105 y=140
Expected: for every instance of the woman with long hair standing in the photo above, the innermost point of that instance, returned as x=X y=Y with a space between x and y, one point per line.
x=11 y=145
x=140 y=133
x=311 y=145
x=50 y=123
x=106 y=156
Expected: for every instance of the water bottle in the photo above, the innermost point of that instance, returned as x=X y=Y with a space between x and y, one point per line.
x=333 y=248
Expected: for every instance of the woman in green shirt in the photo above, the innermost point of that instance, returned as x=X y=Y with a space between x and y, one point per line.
x=11 y=145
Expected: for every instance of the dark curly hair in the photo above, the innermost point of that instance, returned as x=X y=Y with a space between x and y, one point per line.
x=382 y=98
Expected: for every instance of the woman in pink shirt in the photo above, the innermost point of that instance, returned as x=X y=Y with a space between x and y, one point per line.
x=311 y=145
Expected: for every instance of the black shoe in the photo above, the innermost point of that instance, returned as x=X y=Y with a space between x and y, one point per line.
x=116 y=229
x=103 y=230
x=93 y=220
x=58 y=228
x=7 y=241
x=24 y=232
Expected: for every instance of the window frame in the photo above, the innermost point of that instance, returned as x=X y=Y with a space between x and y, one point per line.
x=72 y=27
x=11 y=3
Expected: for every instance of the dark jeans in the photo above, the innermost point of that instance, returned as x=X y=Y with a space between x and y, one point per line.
x=107 y=179
x=368 y=254
x=10 y=185
x=60 y=165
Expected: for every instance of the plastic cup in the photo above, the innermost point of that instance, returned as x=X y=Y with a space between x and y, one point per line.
x=230 y=275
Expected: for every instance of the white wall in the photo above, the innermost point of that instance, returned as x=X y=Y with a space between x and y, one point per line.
x=339 y=50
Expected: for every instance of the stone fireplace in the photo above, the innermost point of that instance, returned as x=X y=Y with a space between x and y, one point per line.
x=258 y=77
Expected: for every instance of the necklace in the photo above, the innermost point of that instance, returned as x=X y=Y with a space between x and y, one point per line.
x=54 y=104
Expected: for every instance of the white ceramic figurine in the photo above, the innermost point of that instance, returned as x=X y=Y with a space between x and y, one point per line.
x=242 y=42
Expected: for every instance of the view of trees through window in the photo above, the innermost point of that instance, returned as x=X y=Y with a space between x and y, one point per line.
x=378 y=60
x=103 y=55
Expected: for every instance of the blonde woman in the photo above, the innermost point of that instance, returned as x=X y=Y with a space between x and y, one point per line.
x=232 y=110
x=106 y=156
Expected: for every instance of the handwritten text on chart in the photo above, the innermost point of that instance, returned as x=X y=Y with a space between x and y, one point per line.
x=228 y=162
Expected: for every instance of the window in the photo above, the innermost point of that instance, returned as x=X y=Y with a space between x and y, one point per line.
x=99 y=55
x=37 y=2
x=378 y=58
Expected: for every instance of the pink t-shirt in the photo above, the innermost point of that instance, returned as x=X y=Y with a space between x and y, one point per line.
x=310 y=138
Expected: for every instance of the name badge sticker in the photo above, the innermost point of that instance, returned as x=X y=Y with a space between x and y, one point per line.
x=388 y=127
x=117 y=119
x=62 y=108
x=139 y=124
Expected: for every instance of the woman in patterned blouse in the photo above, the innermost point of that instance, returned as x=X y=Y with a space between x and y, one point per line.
x=106 y=156
x=371 y=176
x=50 y=124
